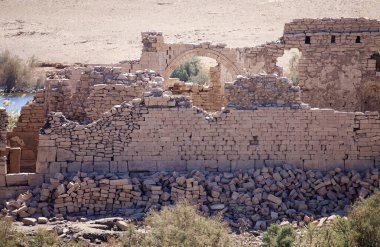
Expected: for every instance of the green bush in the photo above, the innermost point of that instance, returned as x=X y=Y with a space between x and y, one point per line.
x=364 y=222
x=181 y=226
x=191 y=71
x=43 y=238
x=360 y=229
x=14 y=73
x=279 y=236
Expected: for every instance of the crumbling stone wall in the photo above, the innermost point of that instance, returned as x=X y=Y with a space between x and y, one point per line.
x=25 y=134
x=163 y=132
x=262 y=90
x=208 y=97
x=337 y=69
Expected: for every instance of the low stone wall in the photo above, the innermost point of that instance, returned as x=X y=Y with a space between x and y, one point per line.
x=252 y=199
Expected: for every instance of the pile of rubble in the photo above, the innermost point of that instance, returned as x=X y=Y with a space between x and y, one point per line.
x=253 y=199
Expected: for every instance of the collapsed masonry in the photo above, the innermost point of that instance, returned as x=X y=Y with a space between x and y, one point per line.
x=129 y=119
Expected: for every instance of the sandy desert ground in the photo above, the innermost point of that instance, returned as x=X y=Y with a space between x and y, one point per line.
x=96 y=31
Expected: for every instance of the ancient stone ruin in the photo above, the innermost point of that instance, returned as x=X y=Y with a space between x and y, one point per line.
x=252 y=144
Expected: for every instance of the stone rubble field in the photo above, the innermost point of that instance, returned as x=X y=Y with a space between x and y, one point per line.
x=249 y=200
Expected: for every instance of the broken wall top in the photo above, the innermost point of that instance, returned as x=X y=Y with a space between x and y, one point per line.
x=344 y=25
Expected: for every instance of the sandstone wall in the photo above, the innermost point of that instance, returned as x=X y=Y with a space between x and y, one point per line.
x=262 y=90
x=336 y=69
x=25 y=134
x=163 y=132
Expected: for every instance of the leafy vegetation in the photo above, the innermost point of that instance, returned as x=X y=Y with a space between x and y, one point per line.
x=192 y=71
x=279 y=236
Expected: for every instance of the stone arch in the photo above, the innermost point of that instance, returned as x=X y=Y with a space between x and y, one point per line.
x=218 y=56
x=371 y=99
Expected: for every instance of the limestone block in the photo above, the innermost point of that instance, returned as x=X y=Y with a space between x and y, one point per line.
x=3 y=168
x=2 y=181
x=73 y=167
x=171 y=165
x=65 y=155
x=14 y=160
x=142 y=165
x=87 y=167
x=35 y=179
x=195 y=165
x=101 y=167
x=358 y=165
x=122 y=166
x=16 y=179
x=46 y=154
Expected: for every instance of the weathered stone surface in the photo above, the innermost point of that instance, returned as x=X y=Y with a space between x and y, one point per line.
x=29 y=221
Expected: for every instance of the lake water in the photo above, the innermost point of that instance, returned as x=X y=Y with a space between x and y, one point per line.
x=14 y=102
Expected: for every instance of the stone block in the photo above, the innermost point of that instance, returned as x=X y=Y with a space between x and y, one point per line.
x=195 y=165
x=359 y=165
x=122 y=166
x=54 y=167
x=65 y=155
x=42 y=167
x=73 y=167
x=242 y=165
x=14 y=160
x=35 y=179
x=101 y=167
x=19 y=179
x=47 y=154
x=3 y=168
x=141 y=166
x=170 y=166
x=87 y=167
x=224 y=165
x=2 y=181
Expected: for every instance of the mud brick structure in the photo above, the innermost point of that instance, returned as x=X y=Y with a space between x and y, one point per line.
x=133 y=118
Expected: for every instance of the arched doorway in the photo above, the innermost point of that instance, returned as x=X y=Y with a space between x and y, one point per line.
x=221 y=59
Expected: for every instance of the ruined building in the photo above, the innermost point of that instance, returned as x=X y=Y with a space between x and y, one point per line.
x=132 y=117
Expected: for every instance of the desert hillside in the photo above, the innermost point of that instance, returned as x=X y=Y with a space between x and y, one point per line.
x=109 y=31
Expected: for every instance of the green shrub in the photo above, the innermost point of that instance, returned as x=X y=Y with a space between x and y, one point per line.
x=191 y=71
x=279 y=236
x=181 y=226
x=364 y=221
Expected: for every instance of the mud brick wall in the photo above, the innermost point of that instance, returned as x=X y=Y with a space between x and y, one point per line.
x=262 y=90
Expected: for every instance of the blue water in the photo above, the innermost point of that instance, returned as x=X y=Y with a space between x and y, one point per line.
x=14 y=102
